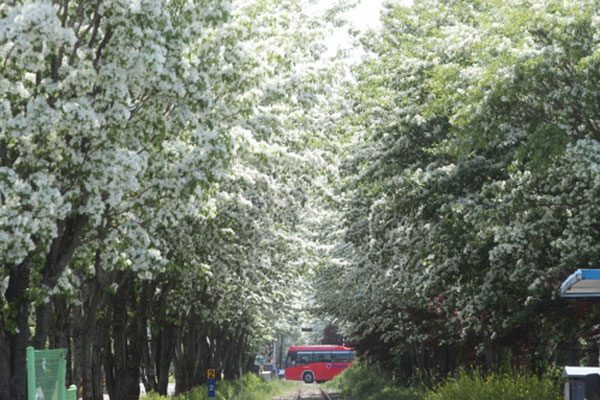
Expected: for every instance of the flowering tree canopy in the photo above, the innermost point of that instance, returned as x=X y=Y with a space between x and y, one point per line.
x=151 y=161
x=470 y=192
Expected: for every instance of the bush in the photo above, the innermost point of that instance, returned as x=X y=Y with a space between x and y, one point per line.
x=363 y=382
x=507 y=386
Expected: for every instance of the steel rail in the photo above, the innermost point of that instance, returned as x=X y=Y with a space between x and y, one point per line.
x=325 y=395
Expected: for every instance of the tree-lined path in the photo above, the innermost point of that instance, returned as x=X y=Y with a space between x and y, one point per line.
x=186 y=183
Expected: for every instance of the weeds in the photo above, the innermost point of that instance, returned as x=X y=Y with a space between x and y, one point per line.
x=362 y=382
x=251 y=387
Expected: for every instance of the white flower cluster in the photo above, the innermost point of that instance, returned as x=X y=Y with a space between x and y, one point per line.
x=28 y=214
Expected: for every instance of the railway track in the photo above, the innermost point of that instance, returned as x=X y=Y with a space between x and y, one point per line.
x=325 y=395
x=314 y=393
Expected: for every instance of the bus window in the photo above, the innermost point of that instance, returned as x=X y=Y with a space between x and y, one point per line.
x=290 y=361
x=323 y=356
x=305 y=357
x=342 y=356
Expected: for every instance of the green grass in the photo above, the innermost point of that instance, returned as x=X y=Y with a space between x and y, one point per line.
x=504 y=386
x=251 y=387
x=362 y=382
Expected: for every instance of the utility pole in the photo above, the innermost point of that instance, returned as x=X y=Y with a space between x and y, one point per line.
x=280 y=352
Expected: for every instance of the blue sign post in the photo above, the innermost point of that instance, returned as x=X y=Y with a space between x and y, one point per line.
x=212 y=383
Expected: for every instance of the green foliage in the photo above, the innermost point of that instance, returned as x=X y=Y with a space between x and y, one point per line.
x=364 y=382
x=545 y=146
x=476 y=386
x=471 y=189
x=250 y=387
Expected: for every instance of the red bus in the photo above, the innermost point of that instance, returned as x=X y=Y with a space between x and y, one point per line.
x=316 y=363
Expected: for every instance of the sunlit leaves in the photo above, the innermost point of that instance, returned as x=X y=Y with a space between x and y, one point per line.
x=471 y=190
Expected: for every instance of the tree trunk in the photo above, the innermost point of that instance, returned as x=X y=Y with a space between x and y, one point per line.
x=148 y=368
x=59 y=324
x=92 y=350
x=5 y=354
x=14 y=337
x=139 y=330
x=89 y=355
x=489 y=353
x=242 y=350
x=190 y=355
x=101 y=347
x=129 y=336
x=87 y=360
x=165 y=335
x=60 y=254
x=120 y=374
x=184 y=362
x=97 y=382
x=167 y=340
x=42 y=322
x=90 y=337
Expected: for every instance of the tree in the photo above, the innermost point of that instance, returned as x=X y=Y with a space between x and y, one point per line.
x=101 y=103
x=462 y=196
x=154 y=160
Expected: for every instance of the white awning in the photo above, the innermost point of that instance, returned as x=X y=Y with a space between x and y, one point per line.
x=579 y=372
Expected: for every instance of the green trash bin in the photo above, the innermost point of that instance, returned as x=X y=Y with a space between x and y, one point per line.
x=46 y=370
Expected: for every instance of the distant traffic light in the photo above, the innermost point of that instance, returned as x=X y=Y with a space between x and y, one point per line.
x=306 y=329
